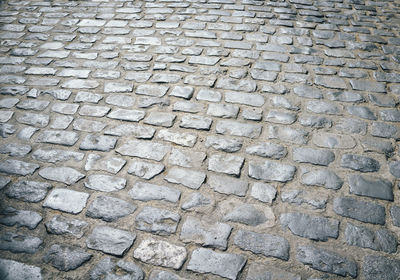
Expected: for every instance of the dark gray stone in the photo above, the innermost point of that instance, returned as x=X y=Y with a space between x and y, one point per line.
x=359 y=210
x=157 y=221
x=12 y=270
x=362 y=112
x=385 y=130
x=28 y=191
x=61 y=225
x=326 y=261
x=22 y=218
x=310 y=226
x=109 y=209
x=360 y=163
x=378 y=267
x=17 y=243
x=379 y=240
x=110 y=240
x=66 y=258
x=264 y=244
x=395 y=214
x=372 y=187
x=222 y=264
x=108 y=268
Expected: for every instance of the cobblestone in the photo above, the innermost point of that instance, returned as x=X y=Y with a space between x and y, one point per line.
x=250 y=127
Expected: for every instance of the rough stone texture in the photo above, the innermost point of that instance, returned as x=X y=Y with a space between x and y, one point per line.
x=66 y=200
x=375 y=267
x=380 y=240
x=265 y=244
x=221 y=264
x=310 y=226
x=326 y=260
x=227 y=114
x=108 y=268
x=156 y=220
x=204 y=233
x=372 y=187
x=17 y=243
x=109 y=209
x=66 y=258
x=12 y=270
x=360 y=210
x=160 y=253
x=110 y=240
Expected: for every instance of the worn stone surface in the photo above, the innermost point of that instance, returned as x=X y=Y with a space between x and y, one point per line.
x=10 y=269
x=110 y=240
x=66 y=258
x=160 y=253
x=221 y=264
x=278 y=119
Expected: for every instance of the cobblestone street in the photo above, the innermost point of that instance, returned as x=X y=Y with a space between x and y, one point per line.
x=199 y=139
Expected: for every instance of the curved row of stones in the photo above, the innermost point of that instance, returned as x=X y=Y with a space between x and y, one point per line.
x=199 y=139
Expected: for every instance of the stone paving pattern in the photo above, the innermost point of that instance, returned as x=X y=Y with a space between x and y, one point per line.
x=200 y=139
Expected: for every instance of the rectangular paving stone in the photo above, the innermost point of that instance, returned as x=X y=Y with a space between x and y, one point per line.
x=182 y=139
x=222 y=264
x=17 y=167
x=146 y=192
x=157 y=221
x=60 y=137
x=235 y=128
x=66 y=200
x=271 y=171
x=143 y=149
x=228 y=185
x=228 y=164
x=17 y=270
x=189 y=178
x=160 y=253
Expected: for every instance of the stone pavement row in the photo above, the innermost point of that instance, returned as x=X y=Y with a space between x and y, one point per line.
x=200 y=139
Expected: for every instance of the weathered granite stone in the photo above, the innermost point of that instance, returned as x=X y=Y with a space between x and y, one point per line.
x=110 y=240
x=313 y=156
x=266 y=149
x=375 y=267
x=145 y=170
x=310 y=226
x=147 y=192
x=258 y=271
x=108 y=268
x=22 y=218
x=363 y=211
x=17 y=243
x=189 y=178
x=105 y=183
x=66 y=138
x=182 y=139
x=372 y=187
x=160 y=253
x=142 y=149
x=235 y=128
x=322 y=178
x=360 y=163
x=271 y=171
x=380 y=240
x=196 y=202
x=99 y=162
x=66 y=258
x=326 y=261
x=263 y=192
x=12 y=270
x=156 y=220
x=222 y=264
x=17 y=167
x=205 y=233
x=101 y=143
x=227 y=164
x=186 y=158
x=66 y=200
x=301 y=197
x=61 y=225
x=15 y=150
x=28 y=191
x=225 y=144
x=265 y=244
x=228 y=185
x=64 y=175
x=109 y=209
